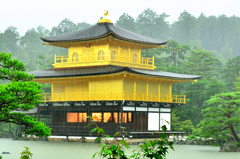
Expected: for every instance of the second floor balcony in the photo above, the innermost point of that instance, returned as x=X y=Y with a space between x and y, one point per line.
x=103 y=59
x=113 y=96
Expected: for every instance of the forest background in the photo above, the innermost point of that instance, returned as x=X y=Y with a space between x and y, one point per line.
x=206 y=46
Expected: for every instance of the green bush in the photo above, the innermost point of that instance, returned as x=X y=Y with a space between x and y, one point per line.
x=238 y=144
x=192 y=137
x=26 y=154
x=114 y=149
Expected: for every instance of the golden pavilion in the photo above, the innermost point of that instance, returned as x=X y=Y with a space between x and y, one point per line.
x=105 y=76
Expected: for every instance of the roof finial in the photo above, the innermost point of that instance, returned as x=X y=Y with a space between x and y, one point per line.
x=105 y=20
x=106 y=13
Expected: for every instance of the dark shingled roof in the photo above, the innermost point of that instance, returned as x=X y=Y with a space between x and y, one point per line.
x=101 y=30
x=101 y=70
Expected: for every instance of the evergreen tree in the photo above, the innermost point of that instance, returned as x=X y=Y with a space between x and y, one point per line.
x=19 y=94
x=221 y=115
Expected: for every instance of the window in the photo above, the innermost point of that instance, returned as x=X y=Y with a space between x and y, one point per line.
x=97 y=117
x=113 y=55
x=87 y=50
x=110 y=117
x=101 y=55
x=75 y=57
x=76 y=117
x=124 y=119
x=114 y=117
x=130 y=117
x=134 y=58
x=127 y=117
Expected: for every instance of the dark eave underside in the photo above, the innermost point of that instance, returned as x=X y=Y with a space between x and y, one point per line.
x=102 y=30
x=103 y=70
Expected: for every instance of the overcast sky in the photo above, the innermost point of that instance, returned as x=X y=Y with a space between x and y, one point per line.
x=27 y=14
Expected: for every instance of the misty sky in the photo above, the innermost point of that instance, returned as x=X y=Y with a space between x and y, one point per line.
x=27 y=14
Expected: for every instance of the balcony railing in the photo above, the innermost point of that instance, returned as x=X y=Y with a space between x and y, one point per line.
x=111 y=96
x=88 y=60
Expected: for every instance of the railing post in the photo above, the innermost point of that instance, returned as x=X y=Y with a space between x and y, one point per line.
x=55 y=59
x=62 y=59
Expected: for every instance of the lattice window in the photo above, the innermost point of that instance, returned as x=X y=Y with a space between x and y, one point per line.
x=75 y=57
x=113 y=55
x=87 y=50
x=134 y=58
x=101 y=55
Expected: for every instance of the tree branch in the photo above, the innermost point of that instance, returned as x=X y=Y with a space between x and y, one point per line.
x=223 y=128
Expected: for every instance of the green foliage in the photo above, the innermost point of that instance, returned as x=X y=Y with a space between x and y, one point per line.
x=176 y=52
x=220 y=117
x=19 y=94
x=150 y=24
x=193 y=137
x=187 y=126
x=113 y=149
x=178 y=125
x=230 y=73
x=43 y=62
x=200 y=62
x=238 y=144
x=127 y=22
x=175 y=123
x=186 y=23
x=157 y=148
x=26 y=154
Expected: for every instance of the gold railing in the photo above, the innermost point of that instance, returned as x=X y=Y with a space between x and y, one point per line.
x=109 y=96
x=91 y=59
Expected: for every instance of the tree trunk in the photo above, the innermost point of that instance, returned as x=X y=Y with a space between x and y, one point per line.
x=234 y=133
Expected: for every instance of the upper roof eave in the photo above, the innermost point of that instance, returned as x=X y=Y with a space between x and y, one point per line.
x=111 y=34
x=103 y=70
x=100 y=31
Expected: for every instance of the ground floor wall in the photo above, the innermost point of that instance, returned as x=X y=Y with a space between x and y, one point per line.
x=71 y=120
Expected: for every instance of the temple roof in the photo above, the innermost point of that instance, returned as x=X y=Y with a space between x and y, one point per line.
x=102 y=30
x=103 y=70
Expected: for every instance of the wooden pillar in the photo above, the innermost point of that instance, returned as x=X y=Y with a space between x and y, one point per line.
x=140 y=57
x=129 y=54
x=121 y=107
x=147 y=91
x=52 y=92
x=134 y=90
x=170 y=93
x=159 y=95
x=119 y=53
